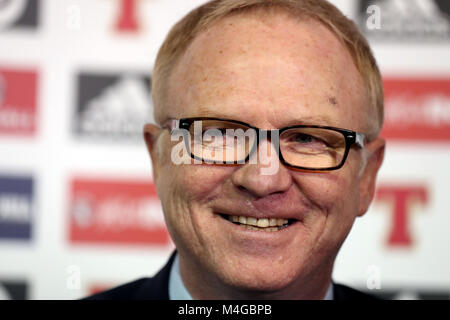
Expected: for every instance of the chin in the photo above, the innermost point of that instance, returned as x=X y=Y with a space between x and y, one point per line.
x=263 y=281
x=262 y=289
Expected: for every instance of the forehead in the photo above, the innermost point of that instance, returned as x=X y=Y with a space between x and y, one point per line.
x=267 y=70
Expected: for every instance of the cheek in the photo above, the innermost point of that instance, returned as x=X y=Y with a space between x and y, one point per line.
x=186 y=192
x=334 y=194
x=322 y=189
x=181 y=182
x=183 y=188
x=198 y=183
x=334 y=204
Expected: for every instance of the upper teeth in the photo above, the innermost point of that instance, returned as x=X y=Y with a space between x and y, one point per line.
x=262 y=223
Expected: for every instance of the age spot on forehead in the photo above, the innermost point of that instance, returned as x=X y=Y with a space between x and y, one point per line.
x=332 y=100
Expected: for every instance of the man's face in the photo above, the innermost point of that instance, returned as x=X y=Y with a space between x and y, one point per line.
x=270 y=72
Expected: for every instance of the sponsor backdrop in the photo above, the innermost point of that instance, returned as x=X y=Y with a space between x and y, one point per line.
x=78 y=210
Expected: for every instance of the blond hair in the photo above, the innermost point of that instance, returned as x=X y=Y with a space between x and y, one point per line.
x=183 y=33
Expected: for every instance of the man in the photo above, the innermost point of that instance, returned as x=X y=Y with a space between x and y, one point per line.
x=245 y=228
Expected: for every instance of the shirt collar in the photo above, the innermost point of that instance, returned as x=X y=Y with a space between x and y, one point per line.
x=177 y=290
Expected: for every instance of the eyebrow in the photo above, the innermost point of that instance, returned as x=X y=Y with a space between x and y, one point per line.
x=311 y=120
x=203 y=112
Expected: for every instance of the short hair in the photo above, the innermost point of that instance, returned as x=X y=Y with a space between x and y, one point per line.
x=183 y=33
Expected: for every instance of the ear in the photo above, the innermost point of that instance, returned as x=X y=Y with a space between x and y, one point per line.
x=151 y=134
x=375 y=154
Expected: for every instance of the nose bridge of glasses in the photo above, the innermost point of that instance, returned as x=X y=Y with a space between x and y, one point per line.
x=267 y=144
x=267 y=134
x=271 y=138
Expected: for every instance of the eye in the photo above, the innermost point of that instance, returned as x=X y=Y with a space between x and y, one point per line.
x=306 y=139
x=210 y=129
x=304 y=142
x=213 y=132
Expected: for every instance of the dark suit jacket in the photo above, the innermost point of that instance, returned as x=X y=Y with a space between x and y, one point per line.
x=157 y=288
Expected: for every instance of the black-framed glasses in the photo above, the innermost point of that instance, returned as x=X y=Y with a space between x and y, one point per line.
x=305 y=147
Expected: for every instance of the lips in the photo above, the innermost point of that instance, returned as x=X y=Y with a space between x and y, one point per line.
x=259 y=224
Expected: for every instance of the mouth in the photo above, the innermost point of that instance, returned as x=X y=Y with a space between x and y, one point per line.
x=261 y=224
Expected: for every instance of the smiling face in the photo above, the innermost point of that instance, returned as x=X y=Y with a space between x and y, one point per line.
x=270 y=71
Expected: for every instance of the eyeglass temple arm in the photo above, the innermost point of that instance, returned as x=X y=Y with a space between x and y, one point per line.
x=360 y=139
x=171 y=124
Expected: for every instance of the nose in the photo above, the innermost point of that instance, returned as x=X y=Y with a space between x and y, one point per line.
x=255 y=179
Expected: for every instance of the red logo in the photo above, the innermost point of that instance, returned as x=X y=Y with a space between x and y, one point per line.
x=127 y=19
x=116 y=212
x=18 y=102
x=401 y=198
x=417 y=109
x=99 y=288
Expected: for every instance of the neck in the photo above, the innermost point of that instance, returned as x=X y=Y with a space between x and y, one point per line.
x=205 y=285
